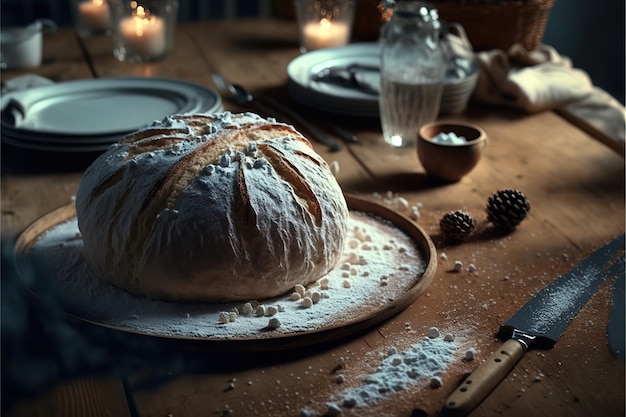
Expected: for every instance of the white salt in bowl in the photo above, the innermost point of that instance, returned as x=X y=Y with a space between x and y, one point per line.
x=450 y=161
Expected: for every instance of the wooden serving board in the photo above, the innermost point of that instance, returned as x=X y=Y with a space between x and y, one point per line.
x=338 y=325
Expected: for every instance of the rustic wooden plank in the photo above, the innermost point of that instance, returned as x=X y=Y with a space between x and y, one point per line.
x=81 y=397
x=26 y=197
x=62 y=58
x=183 y=63
x=576 y=188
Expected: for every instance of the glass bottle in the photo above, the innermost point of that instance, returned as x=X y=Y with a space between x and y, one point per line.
x=412 y=71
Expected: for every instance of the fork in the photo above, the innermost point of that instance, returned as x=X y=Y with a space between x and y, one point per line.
x=244 y=98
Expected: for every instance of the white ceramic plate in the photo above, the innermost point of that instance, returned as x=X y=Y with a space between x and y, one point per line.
x=75 y=147
x=101 y=107
x=336 y=99
x=351 y=102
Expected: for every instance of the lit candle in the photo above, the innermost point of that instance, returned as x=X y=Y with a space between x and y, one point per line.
x=95 y=14
x=324 y=34
x=144 y=34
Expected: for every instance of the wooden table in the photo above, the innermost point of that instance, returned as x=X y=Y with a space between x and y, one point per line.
x=575 y=185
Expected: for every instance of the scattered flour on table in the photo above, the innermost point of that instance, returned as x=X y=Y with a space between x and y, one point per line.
x=380 y=263
x=422 y=362
x=420 y=366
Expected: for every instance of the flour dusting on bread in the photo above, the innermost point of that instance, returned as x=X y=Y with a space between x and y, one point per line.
x=211 y=207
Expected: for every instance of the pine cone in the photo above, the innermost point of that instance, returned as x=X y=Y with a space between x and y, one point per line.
x=507 y=208
x=457 y=225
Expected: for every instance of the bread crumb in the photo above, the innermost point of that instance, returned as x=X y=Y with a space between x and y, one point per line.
x=352 y=258
x=307 y=412
x=333 y=410
x=433 y=333
x=299 y=288
x=415 y=213
x=273 y=323
x=334 y=168
x=223 y=317
x=436 y=382
x=324 y=283
x=349 y=402
x=458 y=266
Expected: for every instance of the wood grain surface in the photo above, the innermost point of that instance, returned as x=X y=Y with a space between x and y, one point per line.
x=575 y=185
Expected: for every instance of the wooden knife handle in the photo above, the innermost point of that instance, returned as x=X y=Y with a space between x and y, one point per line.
x=484 y=379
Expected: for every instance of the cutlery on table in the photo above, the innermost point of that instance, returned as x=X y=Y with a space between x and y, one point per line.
x=353 y=76
x=244 y=98
x=539 y=323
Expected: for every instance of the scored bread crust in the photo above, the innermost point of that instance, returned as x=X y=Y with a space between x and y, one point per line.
x=211 y=207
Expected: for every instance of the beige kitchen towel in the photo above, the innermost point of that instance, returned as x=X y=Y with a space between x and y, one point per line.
x=543 y=79
x=531 y=81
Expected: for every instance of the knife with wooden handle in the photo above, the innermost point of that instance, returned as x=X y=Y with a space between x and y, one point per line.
x=538 y=324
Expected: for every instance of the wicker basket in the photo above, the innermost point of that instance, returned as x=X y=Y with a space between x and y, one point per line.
x=498 y=25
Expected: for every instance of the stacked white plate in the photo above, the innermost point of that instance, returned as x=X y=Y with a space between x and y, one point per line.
x=460 y=80
x=90 y=115
x=330 y=97
x=348 y=101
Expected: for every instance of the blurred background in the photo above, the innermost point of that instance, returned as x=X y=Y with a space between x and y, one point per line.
x=590 y=33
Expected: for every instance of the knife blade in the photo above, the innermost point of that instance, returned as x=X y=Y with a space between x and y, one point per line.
x=538 y=324
x=616 y=316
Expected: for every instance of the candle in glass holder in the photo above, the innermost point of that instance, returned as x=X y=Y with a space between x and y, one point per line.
x=95 y=14
x=324 y=23
x=325 y=34
x=144 y=34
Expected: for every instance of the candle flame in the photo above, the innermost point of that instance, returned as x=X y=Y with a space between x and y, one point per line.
x=142 y=17
x=98 y=2
x=325 y=23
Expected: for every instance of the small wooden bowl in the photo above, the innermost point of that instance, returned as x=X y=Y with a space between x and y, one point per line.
x=446 y=161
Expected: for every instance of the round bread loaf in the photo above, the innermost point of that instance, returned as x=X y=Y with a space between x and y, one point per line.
x=211 y=207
